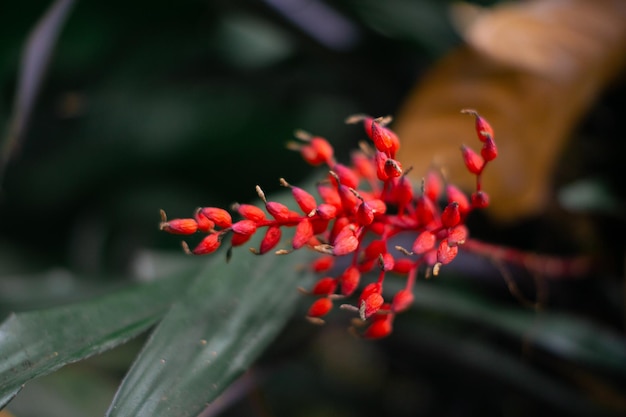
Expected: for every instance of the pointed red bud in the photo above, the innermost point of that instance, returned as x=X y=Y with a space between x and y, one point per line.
x=451 y=215
x=371 y=305
x=374 y=249
x=385 y=140
x=180 y=226
x=446 y=253
x=346 y=176
x=271 y=239
x=425 y=241
x=393 y=168
x=325 y=286
x=204 y=224
x=473 y=162
x=330 y=195
x=381 y=159
x=250 y=212
x=365 y=214
x=489 y=150
x=480 y=199
x=380 y=328
x=219 y=216
x=303 y=198
x=349 y=280
x=403 y=266
x=458 y=235
x=304 y=233
x=433 y=185
x=483 y=128
x=402 y=300
x=346 y=241
x=244 y=227
x=455 y=194
x=386 y=261
x=425 y=210
x=320 y=307
x=323 y=263
x=209 y=244
x=326 y=211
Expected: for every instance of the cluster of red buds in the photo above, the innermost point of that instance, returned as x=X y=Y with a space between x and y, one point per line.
x=361 y=207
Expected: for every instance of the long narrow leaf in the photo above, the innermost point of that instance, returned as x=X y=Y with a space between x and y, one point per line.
x=36 y=343
x=212 y=336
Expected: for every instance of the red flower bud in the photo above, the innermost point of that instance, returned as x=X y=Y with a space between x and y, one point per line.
x=204 y=224
x=325 y=286
x=386 y=261
x=393 y=168
x=244 y=227
x=473 y=162
x=209 y=244
x=304 y=233
x=219 y=216
x=320 y=307
x=380 y=328
x=455 y=194
x=433 y=185
x=446 y=253
x=403 y=266
x=480 y=199
x=271 y=239
x=483 y=128
x=385 y=140
x=323 y=264
x=349 y=280
x=489 y=150
x=381 y=161
x=457 y=235
x=346 y=176
x=330 y=195
x=403 y=191
x=279 y=211
x=180 y=226
x=425 y=241
x=375 y=249
x=305 y=200
x=250 y=212
x=364 y=214
x=425 y=210
x=402 y=300
x=371 y=305
x=346 y=241
x=451 y=215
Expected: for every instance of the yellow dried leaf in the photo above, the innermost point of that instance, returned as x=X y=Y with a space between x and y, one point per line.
x=532 y=69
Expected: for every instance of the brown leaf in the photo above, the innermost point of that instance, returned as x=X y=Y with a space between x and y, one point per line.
x=532 y=69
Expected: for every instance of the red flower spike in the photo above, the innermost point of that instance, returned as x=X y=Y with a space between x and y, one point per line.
x=380 y=328
x=402 y=300
x=219 y=216
x=489 y=150
x=393 y=168
x=451 y=215
x=320 y=307
x=325 y=286
x=425 y=241
x=271 y=239
x=204 y=224
x=483 y=128
x=323 y=264
x=455 y=194
x=180 y=226
x=208 y=245
x=446 y=253
x=473 y=162
x=433 y=185
x=346 y=241
x=244 y=227
x=349 y=280
x=304 y=233
x=480 y=199
x=403 y=266
x=371 y=305
x=250 y=212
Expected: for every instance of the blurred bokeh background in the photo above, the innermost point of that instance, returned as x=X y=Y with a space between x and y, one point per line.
x=150 y=105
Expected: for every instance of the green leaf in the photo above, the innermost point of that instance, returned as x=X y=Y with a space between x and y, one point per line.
x=565 y=335
x=228 y=316
x=36 y=343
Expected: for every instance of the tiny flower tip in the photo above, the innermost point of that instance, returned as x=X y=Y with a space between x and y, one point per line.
x=302 y=135
x=260 y=193
x=356 y=118
x=315 y=320
x=349 y=307
x=163 y=218
x=282 y=252
x=437 y=268
x=469 y=111
x=303 y=291
x=186 y=248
